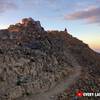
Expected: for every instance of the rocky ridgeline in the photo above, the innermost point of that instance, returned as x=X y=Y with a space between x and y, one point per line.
x=28 y=23
x=25 y=31
x=33 y=61
x=30 y=60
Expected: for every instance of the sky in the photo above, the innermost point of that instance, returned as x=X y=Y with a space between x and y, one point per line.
x=80 y=17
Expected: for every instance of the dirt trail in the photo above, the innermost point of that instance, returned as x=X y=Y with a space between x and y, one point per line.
x=61 y=86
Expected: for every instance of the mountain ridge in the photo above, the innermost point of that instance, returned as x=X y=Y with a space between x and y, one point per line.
x=33 y=61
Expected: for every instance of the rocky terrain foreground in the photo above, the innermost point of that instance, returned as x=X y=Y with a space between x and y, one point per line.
x=45 y=65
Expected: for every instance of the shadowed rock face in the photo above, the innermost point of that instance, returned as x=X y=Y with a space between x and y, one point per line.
x=29 y=21
x=34 y=63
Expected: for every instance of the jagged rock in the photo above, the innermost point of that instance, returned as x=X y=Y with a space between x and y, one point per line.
x=26 y=23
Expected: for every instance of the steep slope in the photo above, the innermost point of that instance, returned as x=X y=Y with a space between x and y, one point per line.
x=89 y=61
x=36 y=64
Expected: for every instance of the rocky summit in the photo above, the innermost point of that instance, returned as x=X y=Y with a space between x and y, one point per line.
x=45 y=65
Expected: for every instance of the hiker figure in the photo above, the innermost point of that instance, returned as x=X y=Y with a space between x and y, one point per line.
x=65 y=30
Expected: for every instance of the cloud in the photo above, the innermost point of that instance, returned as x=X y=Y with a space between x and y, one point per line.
x=40 y=2
x=6 y=5
x=49 y=6
x=90 y=15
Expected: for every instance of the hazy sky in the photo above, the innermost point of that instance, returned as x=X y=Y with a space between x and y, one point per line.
x=80 y=17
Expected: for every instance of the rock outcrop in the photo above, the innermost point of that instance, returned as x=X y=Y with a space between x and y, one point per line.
x=33 y=61
x=26 y=23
